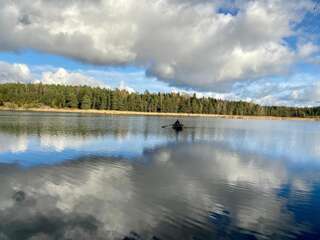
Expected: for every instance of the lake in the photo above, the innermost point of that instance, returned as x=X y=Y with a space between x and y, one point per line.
x=73 y=176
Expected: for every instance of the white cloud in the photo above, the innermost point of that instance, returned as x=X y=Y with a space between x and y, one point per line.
x=186 y=42
x=63 y=77
x=307 y=49
x=307 y=94
x=123 y=86
x=296 y=90
x=13 y=73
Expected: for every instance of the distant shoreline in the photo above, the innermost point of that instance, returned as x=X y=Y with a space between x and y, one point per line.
x=113 y=112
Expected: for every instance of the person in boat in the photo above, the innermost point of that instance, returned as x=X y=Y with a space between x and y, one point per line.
x=177 y=125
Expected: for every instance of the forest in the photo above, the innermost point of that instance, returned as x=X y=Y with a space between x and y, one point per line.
x=14 y=95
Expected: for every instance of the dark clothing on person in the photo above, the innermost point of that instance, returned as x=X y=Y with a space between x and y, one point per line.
x=177 y=126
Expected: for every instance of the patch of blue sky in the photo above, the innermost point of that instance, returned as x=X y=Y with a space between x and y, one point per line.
x=36 y=58
x=307 y=68
x=291 y=41
x=30 y=57
x=228 y=10
x=228 y=7
x=309 y=28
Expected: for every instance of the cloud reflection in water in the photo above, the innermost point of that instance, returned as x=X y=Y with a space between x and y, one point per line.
x=158 y=194
x=209 y=182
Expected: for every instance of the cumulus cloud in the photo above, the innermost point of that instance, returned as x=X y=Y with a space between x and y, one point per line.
x=14 y=73
x=21 y=73
x=307 y=94
x=123 y=86
x=202 y=44
x=63 y=77
x=308 y=49
x=297 y=90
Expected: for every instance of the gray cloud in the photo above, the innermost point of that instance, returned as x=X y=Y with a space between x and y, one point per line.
x=185 y=42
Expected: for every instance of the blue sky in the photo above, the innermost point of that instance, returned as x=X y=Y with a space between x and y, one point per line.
x=262 y=51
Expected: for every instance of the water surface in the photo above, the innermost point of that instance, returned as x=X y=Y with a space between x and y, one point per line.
x=72 y=176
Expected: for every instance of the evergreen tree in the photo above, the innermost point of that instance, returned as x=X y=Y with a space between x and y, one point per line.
x=72 y=100
x=86 y=102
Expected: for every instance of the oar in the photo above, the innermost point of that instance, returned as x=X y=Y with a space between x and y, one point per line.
x=165 y=126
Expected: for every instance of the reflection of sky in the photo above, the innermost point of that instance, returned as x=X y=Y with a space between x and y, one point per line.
x=216 y=179
x=30 y=140
x=292 y=141
x=55 y=149
x=186 y=189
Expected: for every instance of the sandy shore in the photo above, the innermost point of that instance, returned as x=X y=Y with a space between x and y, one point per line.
x=111 y=112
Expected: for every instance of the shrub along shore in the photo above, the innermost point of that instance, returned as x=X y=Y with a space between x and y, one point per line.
x=81 y=99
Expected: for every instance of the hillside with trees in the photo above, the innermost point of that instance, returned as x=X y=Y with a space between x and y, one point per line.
x=14 y=95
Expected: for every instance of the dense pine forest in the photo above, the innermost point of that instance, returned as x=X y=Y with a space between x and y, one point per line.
x=14 y=95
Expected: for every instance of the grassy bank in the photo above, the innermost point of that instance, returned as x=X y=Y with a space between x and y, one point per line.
x=112 y=112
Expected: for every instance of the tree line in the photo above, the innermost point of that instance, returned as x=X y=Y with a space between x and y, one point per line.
x=15 y=95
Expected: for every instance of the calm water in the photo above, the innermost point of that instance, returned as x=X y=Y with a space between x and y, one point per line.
x=96 y=177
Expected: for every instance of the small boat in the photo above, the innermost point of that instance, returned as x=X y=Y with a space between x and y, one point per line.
x=177 y=126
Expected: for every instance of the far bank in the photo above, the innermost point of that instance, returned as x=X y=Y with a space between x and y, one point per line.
x=113 y=112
